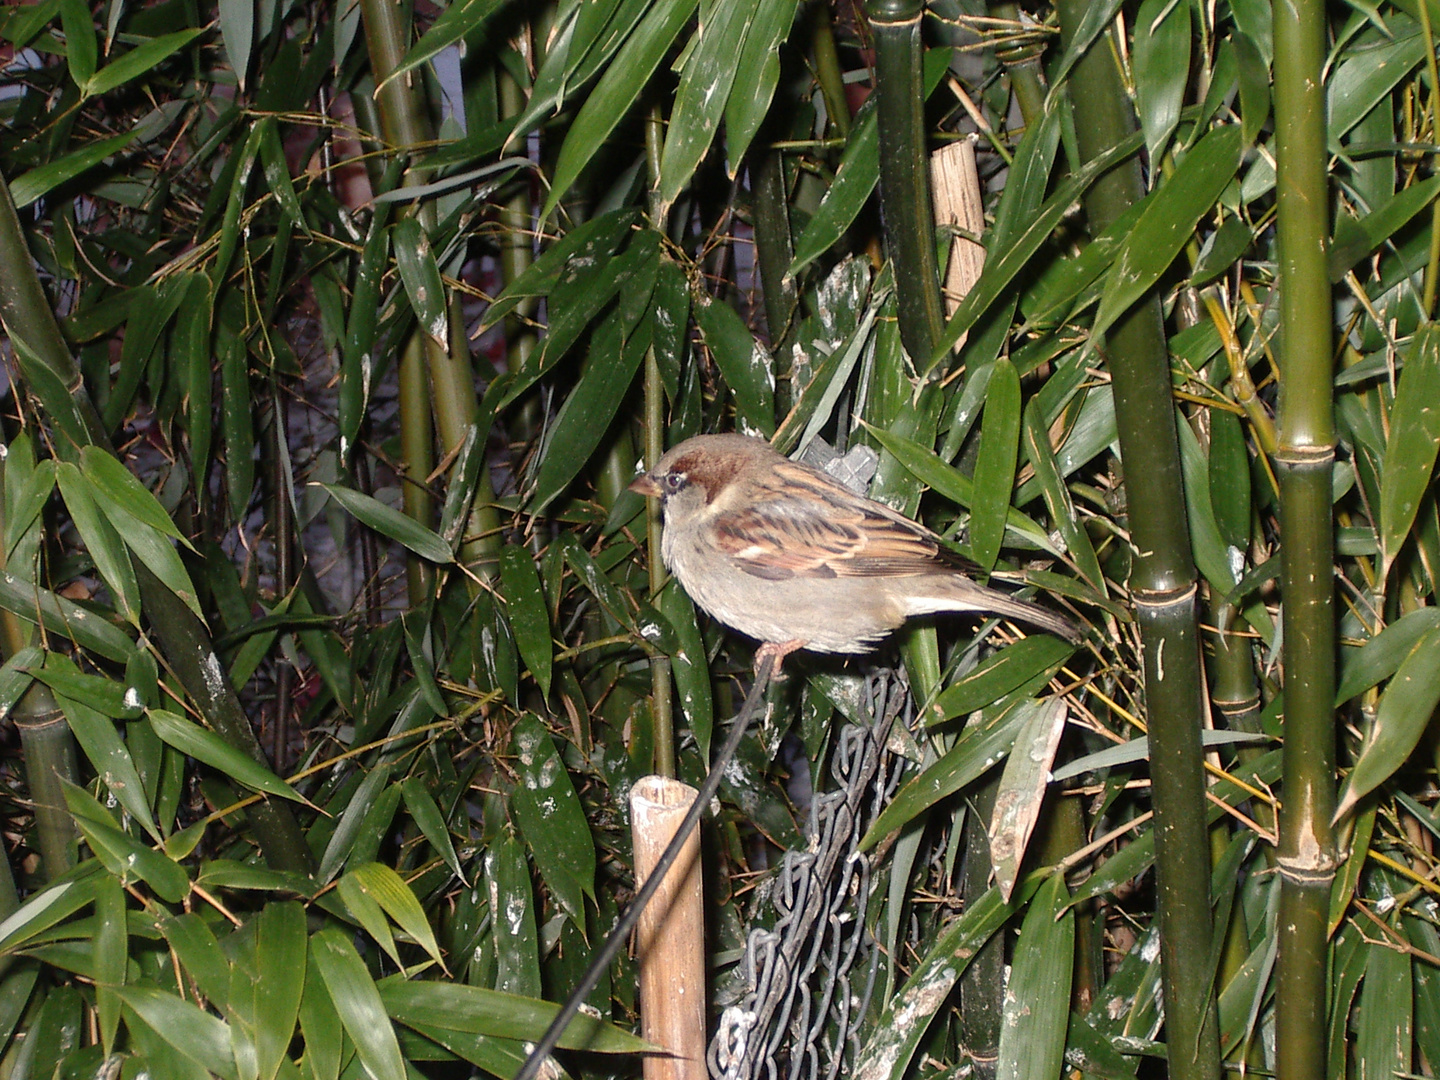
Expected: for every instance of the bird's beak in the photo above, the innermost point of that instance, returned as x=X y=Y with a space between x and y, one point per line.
x=644 y=484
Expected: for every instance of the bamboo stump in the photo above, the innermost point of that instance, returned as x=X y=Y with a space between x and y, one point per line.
x=671 y=935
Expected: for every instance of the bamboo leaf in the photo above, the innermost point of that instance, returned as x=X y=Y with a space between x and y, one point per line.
x=202 y=1038
x=994 y=480
x=1162 y=69
x=1021 y=793
x=474 y=1009
x=528 y=613
x=1057 y=499
x=551 y=820
x=81 y=50
x=1367 y=76
x=112 y=560
x=358 y=1004
x=236 y=423
x=102 y=744
x=705 y=84
x=1230 y=479
x=1414 y=440
x=458 y=21
x=426 y=813
x=1404 y=712
x=137 y=61
x=64 y=617
x=237 y=31
x=388 y=889
x=1037 y=996
x=517 y=946
x=421 y=275
x=688 y=665
x=1381 y=656
x=1169 y=221
x=190 y=738
x=624 y=79
x=756 y=74
x=978 y=749
x=120 y=853
x=369 y=915
x=43 y=179
x=389 y=522
x=116 y=486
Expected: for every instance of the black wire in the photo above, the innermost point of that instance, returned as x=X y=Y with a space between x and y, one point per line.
x=626 y=923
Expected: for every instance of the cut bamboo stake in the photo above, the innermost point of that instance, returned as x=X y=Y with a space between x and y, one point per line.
x=671 y=933
x=955 y=187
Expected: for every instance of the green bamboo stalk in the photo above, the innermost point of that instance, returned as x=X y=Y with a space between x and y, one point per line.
x=827 y=71
x=905 y=173
x=406 y=127
x=1163 y=584
x=662 y=703
x=1304 y=459
x=184 y=640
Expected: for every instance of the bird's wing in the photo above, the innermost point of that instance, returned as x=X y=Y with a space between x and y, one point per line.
x=803 y=524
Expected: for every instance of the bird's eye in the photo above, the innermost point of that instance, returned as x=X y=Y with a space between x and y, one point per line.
x=673 y=482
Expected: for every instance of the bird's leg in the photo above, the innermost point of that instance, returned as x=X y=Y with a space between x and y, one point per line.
x=777 y=651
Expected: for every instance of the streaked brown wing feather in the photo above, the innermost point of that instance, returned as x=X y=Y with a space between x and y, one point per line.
x=806 y=525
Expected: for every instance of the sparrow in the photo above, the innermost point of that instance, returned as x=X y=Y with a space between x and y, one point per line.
x=785 y=554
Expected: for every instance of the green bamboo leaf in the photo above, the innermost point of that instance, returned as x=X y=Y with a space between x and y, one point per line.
x=1354 y=240
x=756 y=75
x=1220 y=251
x=16 y=677
x=342 y=840
x=1169 y=221
x=624 y=79
x=1213 y=558
x=49 y=907
x=392 y=523
x=639 y=618
x=1037 y=996
x=743 y=361
x=528 y=613
x=1162 y=69
x=320 y=1025
x=237 y=31
x=426 y=813
x=28 y=486
x=1230 y=479
x=1057 y=499
x=101 y=540
x=517 y=946
x=585 y=418
x=1414 y=440
x=476 y=1010
x=994 y=480
x=583 y=290
x=64 y=617
x=205 y=746
x=111 y=949
x=102 y=744
x=397 y=900
x=1006 y=261
x=688 y=665
x=1254 y=80
x=369 y=915
x=81 y=50
x=193 y=942
x=551 y=820
x=1385 y=1028
x=236 y=423
x=277 y=174
x=979 y=749
x=856 y=176
x=43 y=179
x=593 y=241
x=421 y=275
x=1033 y=659
x=458 y=21
x=705 y=84
x=226 y=874
x=200 y=1037
x=1365 y=78
x=358 y=1004
x=1401 y=717
x=1022 y=791
x=105 y=696
x=906 y=1017
x=120 y=853
x=116 y=486
x=930 y=469
x=156 y=550
x=137 y=61
x=1381 y=656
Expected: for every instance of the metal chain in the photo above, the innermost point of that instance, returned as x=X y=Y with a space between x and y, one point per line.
x=800 y=1018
